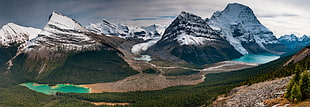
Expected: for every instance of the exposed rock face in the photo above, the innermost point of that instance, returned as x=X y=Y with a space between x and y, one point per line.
x=292 y=41
x=190 y=38
x=254 y=95
x=244 y=32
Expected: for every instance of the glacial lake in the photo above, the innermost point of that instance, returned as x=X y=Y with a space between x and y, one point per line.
x=258 y=58
x=52 y=90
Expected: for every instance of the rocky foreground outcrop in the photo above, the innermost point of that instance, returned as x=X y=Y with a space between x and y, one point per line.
x=254 y=95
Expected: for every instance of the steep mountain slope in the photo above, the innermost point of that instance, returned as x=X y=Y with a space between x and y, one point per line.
x=145 y=32
x=66 y=52
x=14 y=38
x=300 y=55
x=292 y=41
x=190 y=38
x=243 y=30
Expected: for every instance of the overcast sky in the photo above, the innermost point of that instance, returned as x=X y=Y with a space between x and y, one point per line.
x=280 y=16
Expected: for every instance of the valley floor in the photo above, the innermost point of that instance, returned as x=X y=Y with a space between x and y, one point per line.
x=143 y=81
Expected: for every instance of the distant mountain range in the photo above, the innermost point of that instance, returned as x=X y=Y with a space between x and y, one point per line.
x=292 y=41
x=124 y=31
x=64 y=45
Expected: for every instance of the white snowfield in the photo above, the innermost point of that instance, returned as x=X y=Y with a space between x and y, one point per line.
x=140 y=47
x=185 y=39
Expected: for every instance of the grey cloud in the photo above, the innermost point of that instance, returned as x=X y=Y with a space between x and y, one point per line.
x=134 y=12
x=155 y=18
x=281 y=15
x=138 y=19
x=290 y=15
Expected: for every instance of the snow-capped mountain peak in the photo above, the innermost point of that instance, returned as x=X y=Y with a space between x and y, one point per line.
x=291 y=37
x=304 y=38
x=62 y=32
x=190 y=38
x=240 y=27
x=189 y=29
x=59 y=21
x=292 y=41
x=15 y=34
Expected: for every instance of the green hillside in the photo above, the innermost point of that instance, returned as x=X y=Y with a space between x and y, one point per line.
x=76 y=68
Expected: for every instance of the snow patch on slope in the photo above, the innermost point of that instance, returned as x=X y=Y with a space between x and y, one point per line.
x=185 y=39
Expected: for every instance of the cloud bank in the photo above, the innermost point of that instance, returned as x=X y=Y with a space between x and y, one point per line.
x=280 y=16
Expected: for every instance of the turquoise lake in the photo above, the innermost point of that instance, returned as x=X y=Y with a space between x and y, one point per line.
x=52 y=90
x=258 y=58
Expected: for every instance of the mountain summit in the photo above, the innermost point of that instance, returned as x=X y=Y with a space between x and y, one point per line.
x=243 y=30
x=190 y=38
x=62 y=32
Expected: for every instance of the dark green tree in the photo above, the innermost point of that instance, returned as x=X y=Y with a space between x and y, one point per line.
x=295 y=93
x=289 y=89
x=305 y=85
